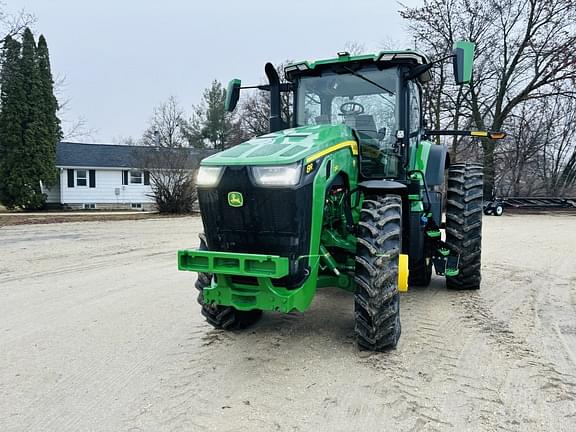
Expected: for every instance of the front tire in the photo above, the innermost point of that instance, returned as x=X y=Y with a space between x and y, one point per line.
x=222 y=317
x=377 y=300
x=464 y=223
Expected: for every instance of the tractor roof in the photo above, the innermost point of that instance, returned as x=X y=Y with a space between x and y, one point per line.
x=403 y=56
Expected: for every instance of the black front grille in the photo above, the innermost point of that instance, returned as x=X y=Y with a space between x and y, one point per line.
x=271 y=220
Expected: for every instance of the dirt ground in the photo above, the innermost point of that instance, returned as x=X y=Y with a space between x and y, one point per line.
x=100 y=332
x=50 y=217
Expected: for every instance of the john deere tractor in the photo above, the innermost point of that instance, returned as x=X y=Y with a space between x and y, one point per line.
x=347 y=194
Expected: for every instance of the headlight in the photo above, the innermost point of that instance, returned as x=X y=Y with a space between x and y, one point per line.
x=282 y=175
x=208 y=176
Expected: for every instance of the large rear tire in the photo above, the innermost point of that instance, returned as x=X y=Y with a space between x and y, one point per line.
x=464 y=223
x=222 y=317
x=377 y=300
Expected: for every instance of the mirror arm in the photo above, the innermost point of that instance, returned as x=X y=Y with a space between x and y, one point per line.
x=284 y=87
x=419 y=70
x=478 y=134
x=259 y=87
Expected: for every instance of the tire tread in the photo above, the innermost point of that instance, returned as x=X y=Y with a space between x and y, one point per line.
x=464 y=209
x=377 y=300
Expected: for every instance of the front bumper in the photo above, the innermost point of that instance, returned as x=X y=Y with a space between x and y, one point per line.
x=231 y=263
x=262 y=294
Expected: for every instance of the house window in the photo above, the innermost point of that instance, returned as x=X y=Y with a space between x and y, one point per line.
x=136 y=205
x=81 y=178
x=136 y=177
x=89 y=206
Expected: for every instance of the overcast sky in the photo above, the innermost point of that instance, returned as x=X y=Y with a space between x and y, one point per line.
x=121 y=58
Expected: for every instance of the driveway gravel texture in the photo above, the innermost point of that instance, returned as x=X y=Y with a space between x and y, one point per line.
x=100 y=332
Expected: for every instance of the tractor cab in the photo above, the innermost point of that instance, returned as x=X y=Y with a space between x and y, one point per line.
x=378 y=96
x=375 y=96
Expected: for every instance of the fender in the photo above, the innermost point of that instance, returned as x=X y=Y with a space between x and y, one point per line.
x=438 y=161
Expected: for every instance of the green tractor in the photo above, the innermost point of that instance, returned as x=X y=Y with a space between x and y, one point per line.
x=348 y=195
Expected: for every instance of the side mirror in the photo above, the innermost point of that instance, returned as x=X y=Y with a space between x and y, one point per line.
x=463 y=61
x=232 y=95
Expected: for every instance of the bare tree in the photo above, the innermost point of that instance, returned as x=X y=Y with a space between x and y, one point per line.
x=72 y=128
x=389 y=43
x=354 y=47
x=167 y=126
x=168 y=160
x=524 y=53
x=77 y=130
x=254 y=114
x=517 y=158
x=13 y=24
x=557 y=163
x=254 y=110
x=171 y=173
x=125 y=140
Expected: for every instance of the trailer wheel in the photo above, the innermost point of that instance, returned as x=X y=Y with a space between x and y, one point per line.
x=377 y=300
x=222 y=317
x=498 y=210
x=464 y=223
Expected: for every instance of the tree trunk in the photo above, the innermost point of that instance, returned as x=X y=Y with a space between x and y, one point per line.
x=489 y=168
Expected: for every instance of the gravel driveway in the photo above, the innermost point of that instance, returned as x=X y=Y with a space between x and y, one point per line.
x=100 y=332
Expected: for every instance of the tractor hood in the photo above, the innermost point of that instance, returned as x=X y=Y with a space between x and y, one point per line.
x=283 y=147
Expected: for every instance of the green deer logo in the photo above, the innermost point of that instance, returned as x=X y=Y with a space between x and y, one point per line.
x=235 y=199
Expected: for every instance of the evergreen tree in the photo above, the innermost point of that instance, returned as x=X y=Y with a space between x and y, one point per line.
x=217 y=124
x=211 y=126
x=49 y=109
x=12 y=112
x=29 y=165
x=29 y=126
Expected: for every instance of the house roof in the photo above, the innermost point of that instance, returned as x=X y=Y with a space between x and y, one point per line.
x=70 y=154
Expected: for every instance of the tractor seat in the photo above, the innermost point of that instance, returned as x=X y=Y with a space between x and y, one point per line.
x=364 y=125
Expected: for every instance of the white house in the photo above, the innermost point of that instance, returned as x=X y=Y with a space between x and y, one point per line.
x=101 y=176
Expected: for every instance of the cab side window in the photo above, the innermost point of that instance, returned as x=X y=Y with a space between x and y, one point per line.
x=415 y=112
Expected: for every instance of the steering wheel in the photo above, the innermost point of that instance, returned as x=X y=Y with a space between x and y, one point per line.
x=351 y=108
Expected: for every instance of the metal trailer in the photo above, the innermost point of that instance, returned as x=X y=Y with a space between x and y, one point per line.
x=496 y=207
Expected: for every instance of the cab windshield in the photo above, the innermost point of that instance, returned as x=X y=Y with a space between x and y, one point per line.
x=368 y=107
